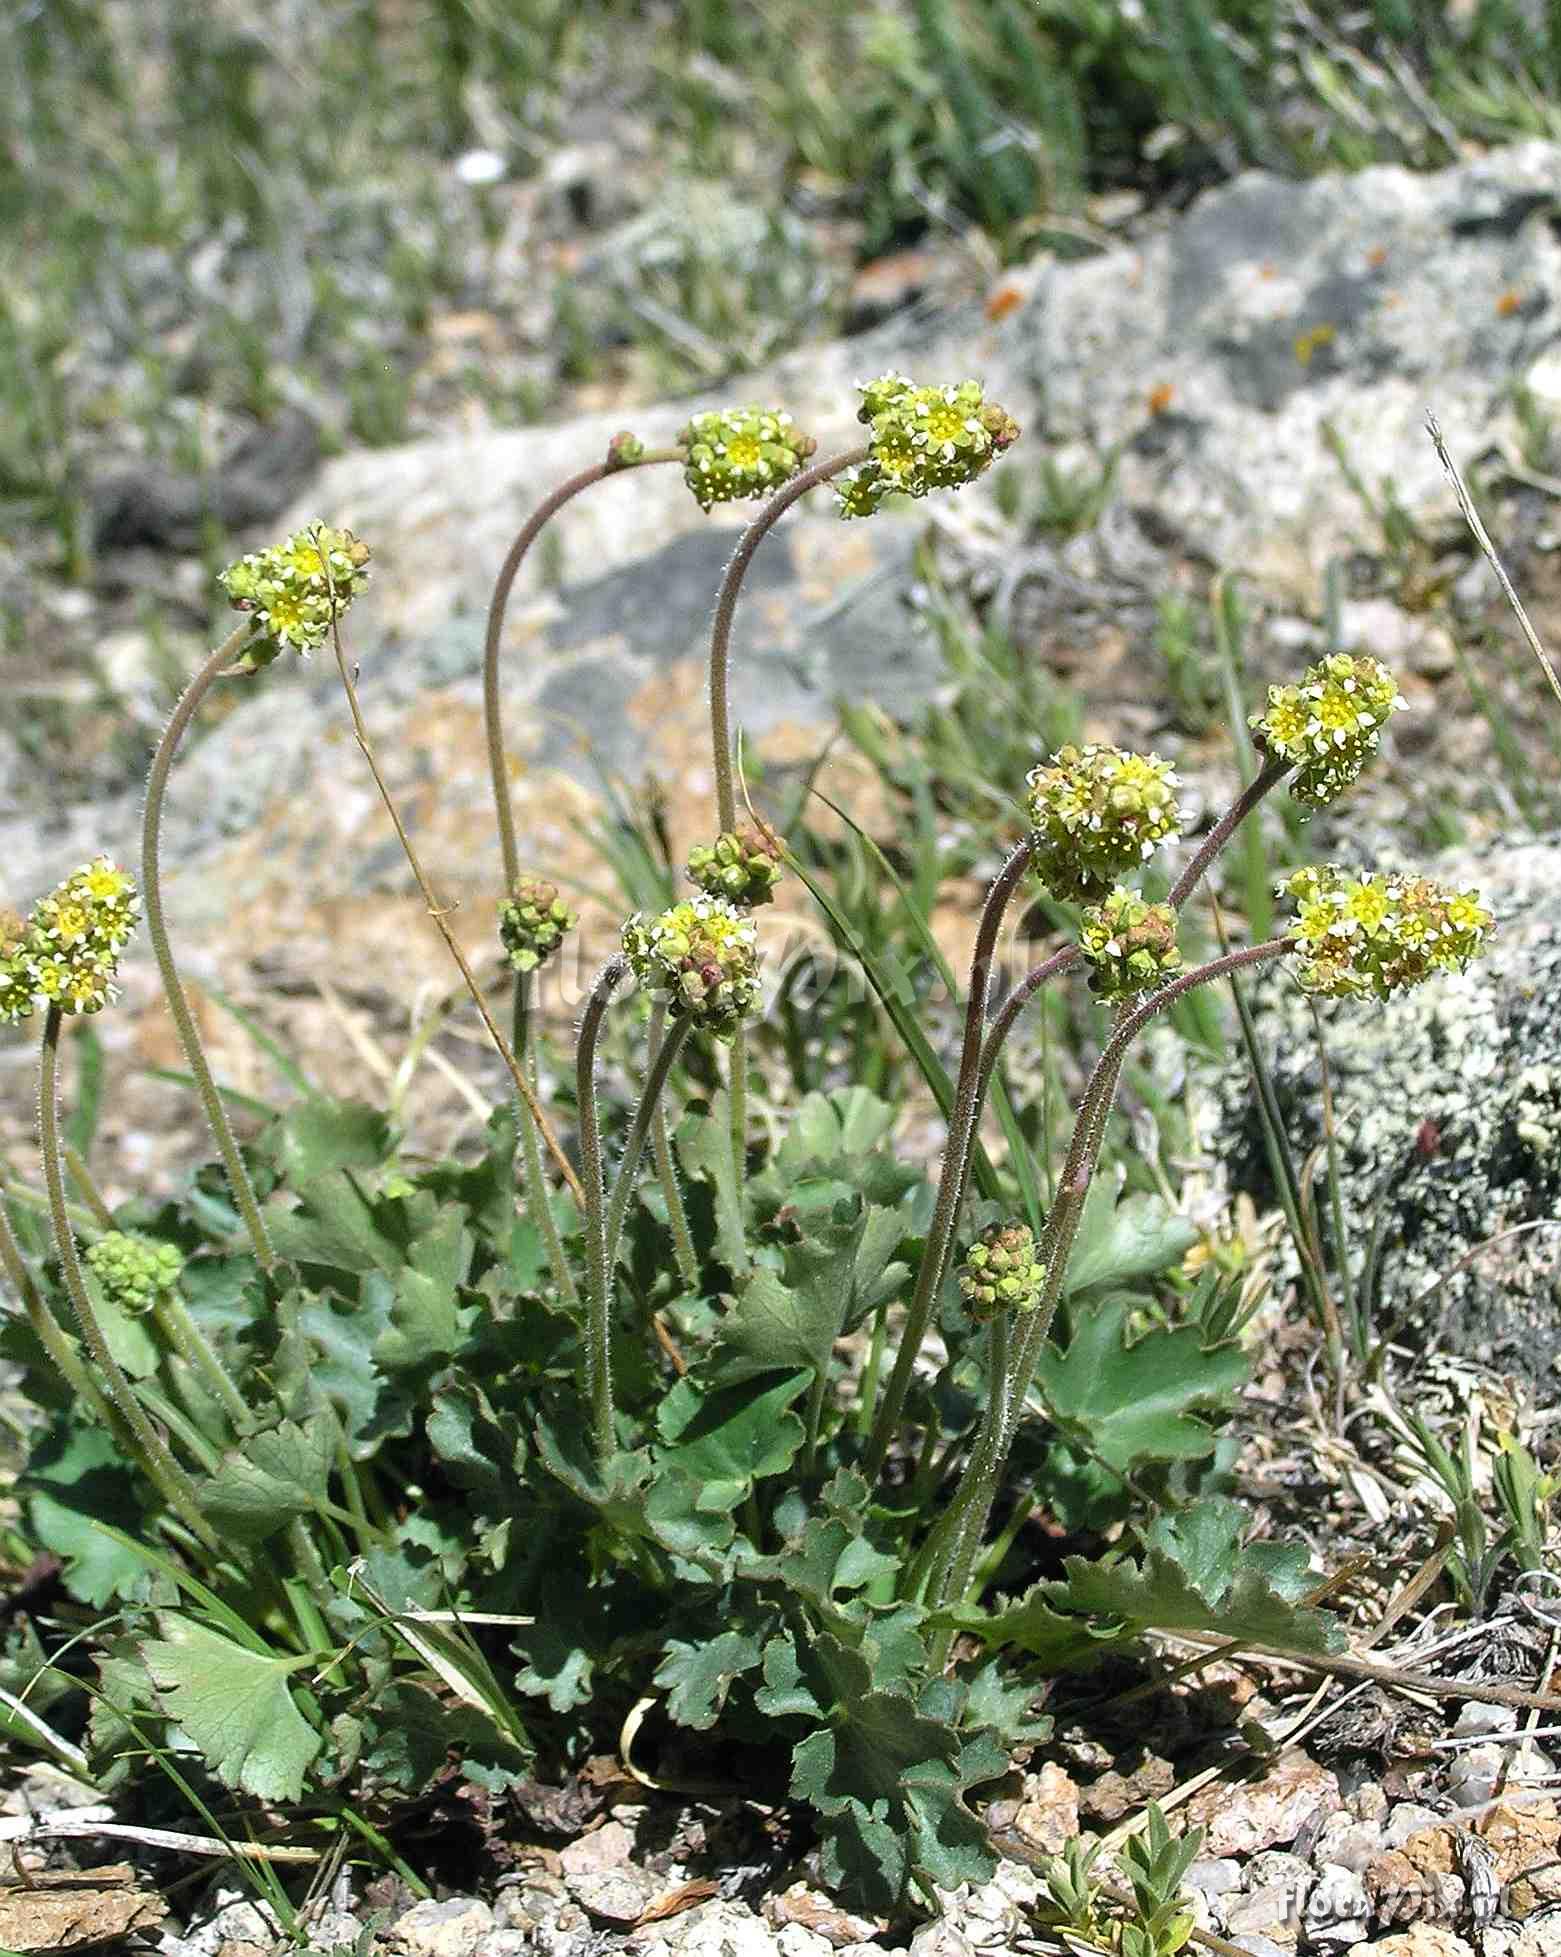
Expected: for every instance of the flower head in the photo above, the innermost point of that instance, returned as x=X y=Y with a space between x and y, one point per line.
x=297 y=589
x=743 y=865
x=702 y=957
x=70 y=950
x=532 y=922
x=1329 y=725
x=737 y=452
x=18 y=984
x=1000 y=1272
x=923 y=438
x=1371 y=936
x=134 y=1271
x=1130 y=944
x=1097 y=812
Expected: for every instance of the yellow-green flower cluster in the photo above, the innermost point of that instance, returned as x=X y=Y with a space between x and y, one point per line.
x=1130 y=944
x=134 y=1271
x=1097 y=812
x=702 y=957
x=923 y=438
x=736 y=452
x=1360 y=936
x=1330 y=724
x=743 y=865
x=532 y=922
x=67 y=952
x=296 y=589
x=1000 y=1272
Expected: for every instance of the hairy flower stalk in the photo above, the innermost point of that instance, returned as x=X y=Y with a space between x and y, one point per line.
x=243 y=1190
x=169 y=1478
x=598 y=1289
x=666 y=1169
x=623 y=452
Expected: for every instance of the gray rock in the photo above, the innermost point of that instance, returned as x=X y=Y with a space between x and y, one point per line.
x=1349 y=1843
x=1407 y=1818
x=451 y=1929
x=1447 y=1108
x=1337 y=1910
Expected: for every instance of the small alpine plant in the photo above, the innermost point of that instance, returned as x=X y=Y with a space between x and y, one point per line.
x=684 y=1396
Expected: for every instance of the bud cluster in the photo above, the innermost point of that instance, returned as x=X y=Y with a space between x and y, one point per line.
x=532 y=922
x=701 y=956
x=297 y=589
x=1361 y=936
x=1130 y=944
x=1328 y=725
x=67 y=952
x=743 y=865
x=923 y=438
x=736 y=452
x=1097 y=812
x=1000 y=1272
x=134 y=1271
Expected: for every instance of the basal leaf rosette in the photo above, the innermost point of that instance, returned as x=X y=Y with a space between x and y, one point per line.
x=1095 y=813
x=923 y=438
x=701 y=957
x=134 y=1271
x=297 y=589
x=732 y=453
x=743 y=865
x=1130 y=945
x=1330 y=724
x=1371 y=936
x=71 y=947
x=1000 y=1272
x=533 y=921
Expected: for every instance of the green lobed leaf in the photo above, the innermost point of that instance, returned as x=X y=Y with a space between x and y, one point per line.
x=235 y=1706
x=316 y=1135
x=428 y=1323
x=697 y=1677
x=273 y=1477
x=704 y=1148
x=1119 y=1242
x=727 y=1439
x=76 y=1480
x=1129 y=1403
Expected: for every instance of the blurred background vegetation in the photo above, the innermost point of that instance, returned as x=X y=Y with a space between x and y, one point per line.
x=386 y=212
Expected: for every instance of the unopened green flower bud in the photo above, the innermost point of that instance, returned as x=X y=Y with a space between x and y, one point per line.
x=1130 y=944
x=733 y=453
x=134 y=1271
x=1371 y=936
x=76 y=934
x=297 y=589
x=1330 y=724
x=743 y=865
x=701 y=957
x=1097 y=812
x=624 y=450
x=923 y=438
x=532 y=922
x=1000 y=1272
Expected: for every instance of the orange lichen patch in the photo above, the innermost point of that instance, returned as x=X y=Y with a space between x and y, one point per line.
x=1508 y=302
x=1160 y=397
x=1377 y=257
x=1001 y=302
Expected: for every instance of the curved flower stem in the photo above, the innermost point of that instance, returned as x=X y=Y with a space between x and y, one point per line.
x=172 y=1482
x=957 y=1536
x=598 y=1290
x=436 y=911
x=726 y=610
x=152 y=901
x=531 y=1154
x=1273 y=771
x=661 y=1147
x=956 y=1161
x=509 y=570
x=650 y=1099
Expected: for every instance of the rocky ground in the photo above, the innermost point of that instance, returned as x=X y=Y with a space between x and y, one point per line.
x=1247 y=384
